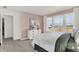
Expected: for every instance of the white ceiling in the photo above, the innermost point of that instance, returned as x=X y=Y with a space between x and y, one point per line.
x=39 y=10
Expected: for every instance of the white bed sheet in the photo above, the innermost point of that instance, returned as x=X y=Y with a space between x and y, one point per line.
x=47 y=40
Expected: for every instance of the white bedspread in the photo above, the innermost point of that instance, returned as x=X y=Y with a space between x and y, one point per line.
x=47 y=40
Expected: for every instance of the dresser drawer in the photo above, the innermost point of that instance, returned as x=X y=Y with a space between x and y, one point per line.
x=33 y=33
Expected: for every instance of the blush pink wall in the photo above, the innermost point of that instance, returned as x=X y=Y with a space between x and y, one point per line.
x=25 y=23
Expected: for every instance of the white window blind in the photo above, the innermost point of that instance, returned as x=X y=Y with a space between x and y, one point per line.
x=69 y=19
x=58 y=20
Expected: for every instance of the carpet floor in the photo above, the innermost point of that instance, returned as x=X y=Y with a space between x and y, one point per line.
x=10 y=45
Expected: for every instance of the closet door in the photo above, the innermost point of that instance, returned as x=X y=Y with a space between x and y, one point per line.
x=0 y=30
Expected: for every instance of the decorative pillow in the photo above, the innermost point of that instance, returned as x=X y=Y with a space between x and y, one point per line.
x=61 y=43
x=74 y=32
x=77 y=37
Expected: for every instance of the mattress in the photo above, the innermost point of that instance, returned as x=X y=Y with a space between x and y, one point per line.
x=47 y=40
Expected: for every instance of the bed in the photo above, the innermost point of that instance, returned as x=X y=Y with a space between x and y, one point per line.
x=46 y=42
x=57 y=41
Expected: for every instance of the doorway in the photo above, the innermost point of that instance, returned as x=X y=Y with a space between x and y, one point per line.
x=7 y=27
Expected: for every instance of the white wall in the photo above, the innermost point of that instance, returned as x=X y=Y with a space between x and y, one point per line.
x=16 y=23
x=8 y=22
x=0 y=29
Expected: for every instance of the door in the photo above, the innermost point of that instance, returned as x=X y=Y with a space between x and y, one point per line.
x=1 y=30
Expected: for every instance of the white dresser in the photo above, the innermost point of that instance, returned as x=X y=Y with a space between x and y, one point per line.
x=33 y=33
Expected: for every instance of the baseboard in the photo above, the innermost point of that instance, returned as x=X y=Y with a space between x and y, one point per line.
x=24 y=38
x=9 y=38
x=17 y=39
x=0 y=44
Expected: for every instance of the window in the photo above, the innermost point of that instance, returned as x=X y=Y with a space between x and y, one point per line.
x=48 y=23
x=69 y=22
x=58 y=20
x=60 y=23
x=69 y=19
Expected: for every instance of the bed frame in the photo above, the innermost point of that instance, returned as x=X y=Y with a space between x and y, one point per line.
x=0 y=44
x=39 y=49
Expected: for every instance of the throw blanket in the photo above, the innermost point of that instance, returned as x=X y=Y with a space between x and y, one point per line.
x=61 y=43
x=47 y=40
